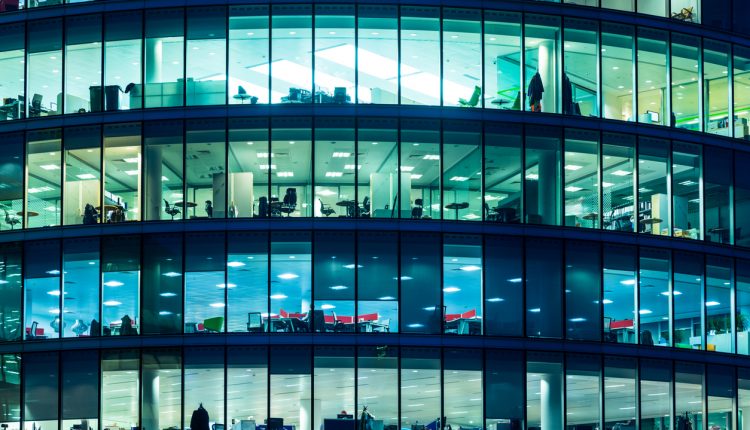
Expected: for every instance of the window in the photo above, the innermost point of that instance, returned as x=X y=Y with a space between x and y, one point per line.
x=420 y=170
x=12 y=60
x=204 y=367
x=462 y=381
x=419 y=71
x=247 y=372
x=655 y=393
x=462 y=58
x=12 y=176
x=119 y=396
x=247 y=281
x=162 y=287
x=583 y=297
x=462 y=285
x=421 y=386
x=248 y=54
x=291 y=47
x=10 y=392
x=689 y=395
x=333 y=309
x=542 y=177
x=653 y=187
x=717 y=200
x=502 y=173
x=43 y=178
x=205 y=283
x=685 y=80
x=80 y=292
x=502 y=60
x=716 y=87
x=377 y=54
x=544 y=370
x=618 y=182
x=377 y=282
x=83 y=185
x=503 y=388
x=42 y=290
x=544 y=288
x=11 y=326
x=377 y=168
x=686 y=191
x=163 y=142
x=336 y=169
x=165 y=61
x=378 y=383
x=205 y=169
x=334 y=54
x=741 y=91
x=206 y=56
x=83 y=64
x=719 y=328
x=40 y=390
x=503 y=286
x=626 y=5
x=583 y=375
x=687 y=10
x=742 y=303
x=542 y=58
x=291 y=282
x=79 y=384
x=45 y=68
x=249 y=165
x=617 y=71
x=653 y=74
x=654 y=7
x=462 y=175
x=582 y=169
x=291 y=385
x=620 y=400
x=688 y=298
x=620 y=294
x=421 y=304
x=580 y=81
x=121 y=278
x=721 y=388
x=334 y=376
x=161 y=385
x=123 y=80
x=655 y=294
x=291 y=183
x=123 y=165
x=741 y=199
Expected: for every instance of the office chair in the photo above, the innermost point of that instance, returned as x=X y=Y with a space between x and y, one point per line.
x=474 y=100
x=417 y=210
x=338 y=326
x=35 y=109
x=12 y=221
x=263 y=207
x=318 y=321
x=32 y=331
x=325 y=209
x=254 y=322
x=364 y=211
x=213 y=325
x=290 y=201
x=170 y=210
x=339 y=95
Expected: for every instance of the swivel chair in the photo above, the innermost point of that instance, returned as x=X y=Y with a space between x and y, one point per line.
x=417 y=210
x=11 y=221
x=290 y=201
x=263 y=207
x=364 y=211
x=170 y=210
x=325 y=209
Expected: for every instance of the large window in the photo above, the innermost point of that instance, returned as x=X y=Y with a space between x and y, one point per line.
x=462 y=285
x=377 y=168
x=120 y=389
x=247 y=281
x=42 y=290
x=291 y=282
x=503 y=286
x=655 y=295
x=335 y=67
x=291 y=48
x=44 y=68
x=420 y=56
x=420 y=178
x=10 y=391
x=502 y=173
x=377 y=54
x=161 y=388
x=205 y=169
x=83 y=64
x=12 y=54
x=11 y=296
x=205 y=283
x=335 y=172
x=685 y=81
x=162 y=285
x=688 y=298
x=82 y=189
x=717 y=200
x=250 y=165
x=421 y=304
x=542 y=176
x=163 y=172
x=542 y=64
x=377 y=282
x=80 y=288
x=333 y=300
x=123 y=81
x=291 y=385
x=502 y=60
x=12 y=176
x=620 y=294
x=716 y=88
x=544 y=285
x=43 y=178
x=462 y=58
x=248 y=54
x=123 y=170
x=462 y=173
x=653 y=187
x=719 y=328
x=653 y=87
x=618 y=182
x=40 y=390
x=121 y=281
x=618 y=71
x=580 y=81
x=206 y=56
x=687 y=196
x=655 y=394
x=583 y=282
x=165 y=58
x=291 y=164
x=582 y=171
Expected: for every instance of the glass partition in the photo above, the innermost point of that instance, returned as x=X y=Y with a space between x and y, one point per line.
x=741 y=91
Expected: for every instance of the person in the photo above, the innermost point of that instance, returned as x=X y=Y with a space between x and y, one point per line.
x=89 y=214
x=199 y=420
x=647 y=338
x=209 y=209
x=126 y=326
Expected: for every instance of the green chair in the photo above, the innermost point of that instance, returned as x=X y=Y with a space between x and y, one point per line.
x=213 y=325
x=474 y=100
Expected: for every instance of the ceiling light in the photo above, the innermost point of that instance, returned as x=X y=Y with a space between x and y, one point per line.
x=459 y=178
x=172 y=274
x=351 y=167
x=341 y=154
x=431 y=157
x=415 y=176
x=535 y=310
x=132 y=160
x=406 y=278
x=470 y=268
x=532 y=176
x=235 y=264
x=111 y=303
x=607 y=184
x=515 y=280
x=229 y=285
x=217 y=305
x=113 y=284
x=573 y=189
x=577 y=319
x=168 y=294
x=339 y=287
x=327 y=307
x=607 y=302
x=278 y=296
x=334 y=174
x=352 y=266
x=53 y=272
x=712 y=303
x=267 y=166
x=572 y=167
x=165 y=313
x=50 y=167
x=407 y=168
x=264 y=155
x=326 y=192
x=387 y=298
x=688 y=183
x=645 y=311
x=55 y=293
x=287 y=276
x=628 y=282
x=132 y=172
x=495 y=300
x=86 y=176
x=451 y=289
x=285 y=174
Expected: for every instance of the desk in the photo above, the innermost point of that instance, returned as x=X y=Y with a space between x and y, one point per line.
x=287 y=325
x=457 y=206
x=350 y=206
x=471 y=326
x=372 y=327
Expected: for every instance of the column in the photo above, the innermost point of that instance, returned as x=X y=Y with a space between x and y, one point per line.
x=154 y=202
x=307 y=412
x=547 y=66
x=150 y=409
x=551 y=401
x=548 y=183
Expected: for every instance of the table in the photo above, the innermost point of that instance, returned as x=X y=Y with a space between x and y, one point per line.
x=593 y=216
x=718 y=231
x=185 y=204
x=464 y=326
x=350 y=205
x=457 y=206
x=372 y=327
x=650 y=221
x=289 y=325
x=28 y=213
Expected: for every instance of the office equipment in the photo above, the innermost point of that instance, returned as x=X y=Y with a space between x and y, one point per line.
x=325 y=209
x=345 y=416
x=254 y=322
x=217 y=426
x=290 y=201
x=35 y=109
x=339 y=424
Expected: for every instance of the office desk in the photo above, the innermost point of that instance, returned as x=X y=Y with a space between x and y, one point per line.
x=372 y=327
x=464 y=326
x=287 y=325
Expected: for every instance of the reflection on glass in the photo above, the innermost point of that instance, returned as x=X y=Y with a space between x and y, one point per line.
x=420 y=387
x=247 y=372
x=377 y=282
x=716 y=87
x=544 y=377
x=121 y=278
x=741 y=92
x=717 y=201
x=249 y=168
x=247 y=281
x=12 y=176
x=620 y=298
x=504 y=292
x=12 y=60
x=40 y=390
x=205 y=168
x=291 y=169
x=291 y=385
x=377 y=168
x=421 y=308
x=620 y=391
x=580 y=82
x=42 y=289
x=123 y=83
x=581 y=168
x=721 y=390
x=462 y=285
x=205 y=285
x=617 y=71
x=462 y=58
x=541 y=71
x=162 y=285
x=542 y=176
x=462 y=381
x=544 y=285
x=79 y=383
x=336 y=167
x=583 y=281
x=655 y=394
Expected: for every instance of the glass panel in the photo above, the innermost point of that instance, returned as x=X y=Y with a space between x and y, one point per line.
x=334 y=54
x=43 y=178
x=686 y=190
x=333 y=305
x=686 y=110
x=653 y=183
x=83 y=64
x=291 y=185
x=742 y=311
x=719 y=328
x=420 y=387
x=377 y=383
x=123 y=164
x=652 y=75
x=44 y=67
x=582 y=391
x=717 y=200
x=502 y=60
x=653 y=7
x=462 y=382
x=42 y=289
x=204 y=382
x=377 y=167
x=204 y=283
x=119 y=397
x=41 y=375
x=462 y=174
x=655 y=297
x=83 y=185
x=688 y=389
x=10 y=391
x=741 y=199
x=12 y=60
x=688 y=300
x=583 y=296
x=655 y=394
x=580 y=93
x=291 y=47
x=420 y=169
x=206 y=56
x=544 y=374
x=618 y=183
x=503 y=388
x=162 y=285
x=165 y=44
x=544 y=285
x=249 y=168
x=626 y=5
x=291 y=283
x=291 y=385
x=542 y=70
x=79 y=384
x=247 y=281
x=462 y=285
x=335 y=173
x=248 y=54
x=420 y=56
x=121 y=277
x=502 y=173
x=334 y=386
x=582 y=178
x=741 y=91
x=164 y=170
x=12 y=176
x=205 y=168
x=743 y=394
x=377 y=282
x=716 y=87
x=420 y=283
x=81 y=286
x=620 y=296
x=462 y=57
x=377 y=54
x=542 y=177
x=11 y=297
x=503 y=286
x=123 y=34
x=247 y=372
x=721 y=389
x=620 y=375
x=618 y=70
x=161 y=395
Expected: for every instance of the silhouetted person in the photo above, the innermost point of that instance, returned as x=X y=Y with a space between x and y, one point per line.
x=647 y=338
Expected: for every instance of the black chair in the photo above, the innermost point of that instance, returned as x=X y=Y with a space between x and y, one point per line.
x=417 y=210
x=339 y=95
x=170 y=210
x=263 y=207
x=254 y=322
x=364 y=211
x=318 y=321
x=35 y=109
x=290 y=201
x=325 y=209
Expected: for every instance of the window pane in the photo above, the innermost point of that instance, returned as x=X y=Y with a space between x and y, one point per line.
x=334 y=283
x=12 y=54
x=291 y=385
x=421 y=310
x=377 y=282
x=162 y=284
x=377 y=167
x=247 y=372
x=123 y=164
x=741 y=91
x=40 y=389
x=42 y=289
x=462 y=175
x=503 y=388
x=10 y=293
x=377 y=382
x=161 y=396
x=686 y=192
x=12 y=176
x=420 y=169
x=717 y=205
x=462 y=382
x=652 y=76
x=743 y=390
x=653 y=174
x=44 y=52
x=655 y=394
x=462 y=284
x=121 y=277
x=462 y=58
x=334 y=384
x=377 y=54
x=655 y=297
x=503 y=285
x=653 y=7
x=581 y=178
x=81 y=285
x=688 y=300
x=205 y=167
x=627 y=5
x=123 y=34
x=742 y=310
x=119 y=398
x=741 y=199
x=334 y=54
x=583 y=283
x=618 y=183
x=80 y=388
x=686 y=109
x=83 y=64
x=420 y=387
x=204 y=367
x=617 y=70
x=502 y=173
x=248 y=54
x=10 y=391
x=291 y=47
x=716 y=100
x=335 y=160
x=206 y=56
x=247 y=281
x=502 y=58
x=165 y=41
x=291 y=282
x=688 y=389
x=164 y=170
x=43 y=178
x=582 y=390
x=542 y=35
x=620 y=298
x=291 y=183
x=82 y=175
x=581 y=79
x=544 y=386
x=249 y=168
x=719 y=329
x=721 y=389
x=542 y=177
x=544 y=285
x=620 y=391
x=420 y=56
x=204 y=282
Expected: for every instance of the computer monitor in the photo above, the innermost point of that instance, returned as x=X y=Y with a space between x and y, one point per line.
x=275 y=423
x=345 y=416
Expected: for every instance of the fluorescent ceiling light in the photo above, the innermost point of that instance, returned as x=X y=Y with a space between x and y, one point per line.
x=577 y=319
x=470 y=268
x=50 y=167
x=86 y=176
x=688 y=183
x=515 y=280
x=168 y=294
x=53 y=272
x=451 y=289
x=287 y=276
x=278 y=296
x=172 y=274
x=416 y=176
x=535 y=310
x=327 y=307
x=645 y=311
x=620 y=173
x=387 y=298
x=459 y=178
x=229 y=285
x=607 y=184
x=132 y=172
x=532 y=176
x=217 y=305
x=113 y=284
x=267 y=166
x=712 y=303
x=607 y=302
x=351 y=167
x=285 y=174
x=334 y=174
x=235 y=264
x=111 y=303
x=264 y=154
x=132 y=160
x=326 y=192
x=39 y=189
x=165 y=313
x=495 y=300
x=573 y=189
x=341 y=154
x=352 y=266
x=407 y=168
x=628 y=282
x=471 y=216
x=572 y=167
x=431 y=157
x=55 y=293
x=338 y=287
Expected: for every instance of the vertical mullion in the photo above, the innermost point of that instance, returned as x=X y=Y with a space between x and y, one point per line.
x=440 y=58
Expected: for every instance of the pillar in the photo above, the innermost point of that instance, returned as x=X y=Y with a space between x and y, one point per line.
x=551 y=401
x=309 y=410
x=150 y=412
x=547 y=186
x=154 y=55
x=154 y=201
x=547 y=66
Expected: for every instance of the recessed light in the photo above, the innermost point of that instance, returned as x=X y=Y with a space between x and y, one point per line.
x=50 y=167
x=111 y=303
x=113 y=284
x=287 y=276
x=451 y=289
x=572 y=167
x=86 y=176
